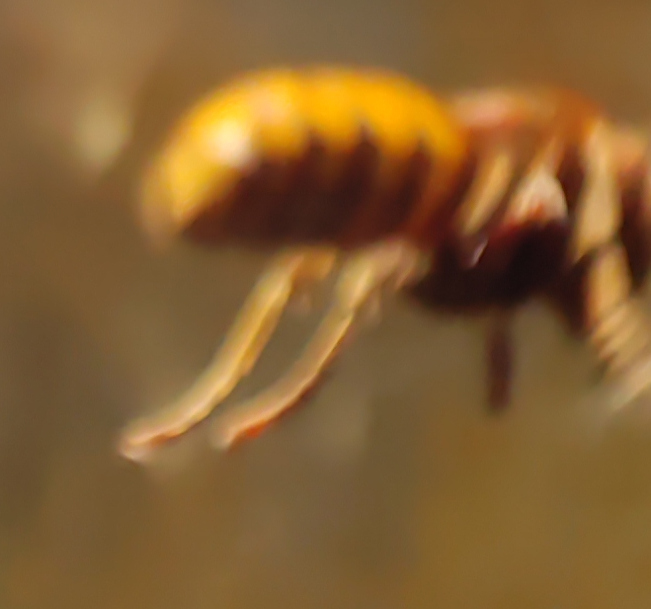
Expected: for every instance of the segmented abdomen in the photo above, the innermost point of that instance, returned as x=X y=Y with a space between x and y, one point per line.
x=285 y=157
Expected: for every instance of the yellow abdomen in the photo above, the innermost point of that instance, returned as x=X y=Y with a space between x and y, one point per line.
x=292 y=157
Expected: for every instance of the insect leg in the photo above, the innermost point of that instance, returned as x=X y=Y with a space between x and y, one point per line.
x=598 y=213
x=499 y=356
x=242 y=347
x=389 y=266
x=537 y=201
x=618 y=328
x=612 y=317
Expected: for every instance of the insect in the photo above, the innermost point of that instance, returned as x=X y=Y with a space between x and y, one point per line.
x=471 y=203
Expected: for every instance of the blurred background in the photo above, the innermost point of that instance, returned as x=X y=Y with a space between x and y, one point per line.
x=392 y=489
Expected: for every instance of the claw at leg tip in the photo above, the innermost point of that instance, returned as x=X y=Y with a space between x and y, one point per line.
x=134 y=446
x=224 y=437
x=220 y=440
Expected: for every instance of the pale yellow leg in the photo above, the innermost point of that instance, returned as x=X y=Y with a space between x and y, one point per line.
x=388 y=266
x=598 y=213
x=494 y=174
x=620 y=328
x=241 y=349
x=617 y=325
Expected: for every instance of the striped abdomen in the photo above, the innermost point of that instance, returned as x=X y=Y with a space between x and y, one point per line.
x=287 y=157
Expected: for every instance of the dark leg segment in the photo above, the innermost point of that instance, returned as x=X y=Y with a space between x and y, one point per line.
x=499 y=356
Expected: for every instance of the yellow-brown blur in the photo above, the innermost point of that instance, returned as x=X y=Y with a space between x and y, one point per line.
x=273 y=115
x=392 y=489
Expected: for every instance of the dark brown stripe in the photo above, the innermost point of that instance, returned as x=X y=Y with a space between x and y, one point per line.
x=332 y=207
x=435 y=227
x=383 y=213
x=262 y=193
x=240 y=216
x=287 y=220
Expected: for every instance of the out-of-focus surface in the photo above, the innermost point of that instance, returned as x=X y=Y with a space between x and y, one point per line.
x=392 y=489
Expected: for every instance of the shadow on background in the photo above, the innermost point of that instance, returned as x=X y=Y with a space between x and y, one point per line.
x=392 y=489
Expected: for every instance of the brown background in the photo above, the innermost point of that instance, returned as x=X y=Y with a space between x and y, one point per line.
x=393 y=489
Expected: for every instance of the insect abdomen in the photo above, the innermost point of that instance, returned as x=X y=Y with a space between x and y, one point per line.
x=295 y=157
